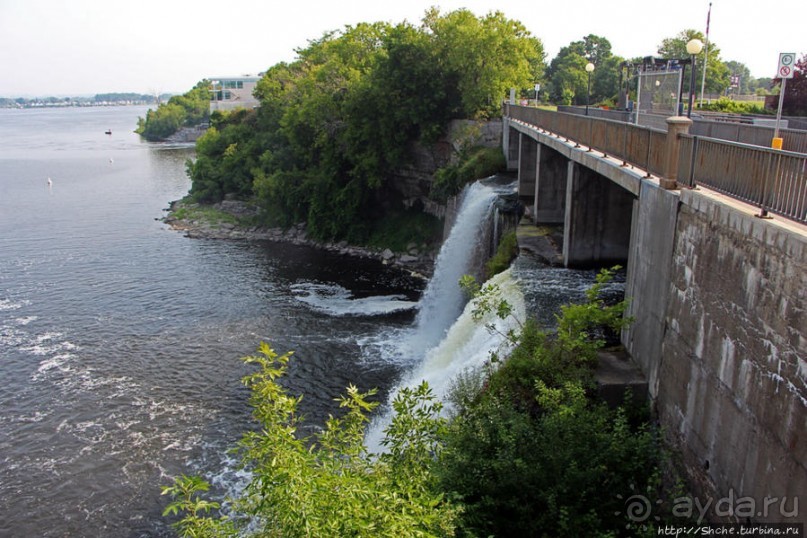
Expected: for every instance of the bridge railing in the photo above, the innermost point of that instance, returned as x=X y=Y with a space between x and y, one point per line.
x=640 y=146
x=773 y=180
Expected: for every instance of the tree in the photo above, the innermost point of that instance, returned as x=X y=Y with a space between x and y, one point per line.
x=335 y=123
x=327 y=485
x=186 y=110
x=745 y=80
x=717 y=74
x=569 y=79
x=485 y=56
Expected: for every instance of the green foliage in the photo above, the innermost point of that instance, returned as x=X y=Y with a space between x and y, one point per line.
x=335 y=124
x=475 y=163
x=188 y=109
x=569 y=81
x=505 y=254
x=717 y=73
x=730 y=106
x=328 y=485
x=529 y=453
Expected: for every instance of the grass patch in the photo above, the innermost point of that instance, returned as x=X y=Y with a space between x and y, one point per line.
x=204 y=213
x=505 y=254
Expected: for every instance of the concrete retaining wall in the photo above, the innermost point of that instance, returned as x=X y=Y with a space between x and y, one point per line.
x=731 y=385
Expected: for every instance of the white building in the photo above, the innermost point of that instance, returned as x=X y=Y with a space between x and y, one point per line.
x=228 y=93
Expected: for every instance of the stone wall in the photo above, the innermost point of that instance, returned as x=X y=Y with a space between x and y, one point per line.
x=413 y=182
x=732 y=394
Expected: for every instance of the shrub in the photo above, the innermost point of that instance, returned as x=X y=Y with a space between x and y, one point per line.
x=476 y=163
x=327 y=485
x=529 y=452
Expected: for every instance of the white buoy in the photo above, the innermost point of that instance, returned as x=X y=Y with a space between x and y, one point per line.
x=111 y=161
x=50 y=185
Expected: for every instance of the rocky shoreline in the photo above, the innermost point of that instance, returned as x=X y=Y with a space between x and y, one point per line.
x=185 y=217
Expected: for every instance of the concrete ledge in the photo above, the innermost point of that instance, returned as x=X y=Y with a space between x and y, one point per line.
x=617 y=374
x=776 y=232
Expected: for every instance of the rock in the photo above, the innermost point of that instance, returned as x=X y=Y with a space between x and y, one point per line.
x=387 y=255
x=409 y=259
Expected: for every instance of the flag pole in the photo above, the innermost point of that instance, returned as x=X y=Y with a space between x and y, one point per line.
x=706 y=55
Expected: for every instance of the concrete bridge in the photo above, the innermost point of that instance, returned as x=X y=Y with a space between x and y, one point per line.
x=718 y=288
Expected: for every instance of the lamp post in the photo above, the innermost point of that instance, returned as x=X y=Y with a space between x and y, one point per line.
x=589 y=69
x=694 y=46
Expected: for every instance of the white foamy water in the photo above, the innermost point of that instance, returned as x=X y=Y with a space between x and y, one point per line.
x=468 y=345
x=336 y=300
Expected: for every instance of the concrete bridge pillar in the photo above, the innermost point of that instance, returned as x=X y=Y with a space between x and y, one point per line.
x=598 y=219
x=550 y=189
x=527 y=166
x=510 y=144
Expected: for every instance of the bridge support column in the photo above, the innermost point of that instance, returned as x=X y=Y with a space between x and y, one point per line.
x=598 y=219
x=550 y=188
x=510 y=144
x=527 y=166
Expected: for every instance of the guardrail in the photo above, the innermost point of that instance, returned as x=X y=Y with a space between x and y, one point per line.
x=772 y=180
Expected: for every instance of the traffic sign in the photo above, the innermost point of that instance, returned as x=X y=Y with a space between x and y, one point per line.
x=787 y=61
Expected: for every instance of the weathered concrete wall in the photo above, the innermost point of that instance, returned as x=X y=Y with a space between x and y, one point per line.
x=731 y=387
x=655 y=215
x=597 y=219
x=527 y=166
x=550 y=189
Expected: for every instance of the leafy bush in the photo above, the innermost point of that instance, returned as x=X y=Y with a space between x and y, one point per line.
x=730 y=106
x=529 y=452
x=476 y=163
x=327 y=485
x=505 y=254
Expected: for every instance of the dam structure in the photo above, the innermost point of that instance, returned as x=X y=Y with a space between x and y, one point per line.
x=714 y=237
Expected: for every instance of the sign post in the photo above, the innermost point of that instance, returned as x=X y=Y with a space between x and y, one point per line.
x=787 y=62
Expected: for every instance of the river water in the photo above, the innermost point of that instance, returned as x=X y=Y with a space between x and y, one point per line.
x=120 y=339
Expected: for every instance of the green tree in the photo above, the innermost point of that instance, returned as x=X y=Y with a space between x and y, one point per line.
x=717 y=73
x=327 y=485
x=529 y=451
x=186 y=110
x=336 y=123
x=568 y=76
x=484 y=56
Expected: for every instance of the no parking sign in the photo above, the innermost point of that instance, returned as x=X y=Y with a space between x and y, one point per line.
x=787 y=62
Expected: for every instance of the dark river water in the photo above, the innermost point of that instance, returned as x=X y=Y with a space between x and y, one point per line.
x=120 y=339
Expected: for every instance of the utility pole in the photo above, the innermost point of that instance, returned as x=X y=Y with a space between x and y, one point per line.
x=706 y=54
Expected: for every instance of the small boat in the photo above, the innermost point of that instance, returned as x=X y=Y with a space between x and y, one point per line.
x=108 y=131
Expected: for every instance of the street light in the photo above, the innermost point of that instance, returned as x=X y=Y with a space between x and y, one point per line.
x=589 y=69
x=694 y=46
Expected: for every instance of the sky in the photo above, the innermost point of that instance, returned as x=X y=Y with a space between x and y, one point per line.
x=84 y=47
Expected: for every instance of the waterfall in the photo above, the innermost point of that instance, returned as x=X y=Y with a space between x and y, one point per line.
x=443 y=299
x=445 y=339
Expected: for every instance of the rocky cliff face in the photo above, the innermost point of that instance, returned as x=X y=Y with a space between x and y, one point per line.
x=413 y=182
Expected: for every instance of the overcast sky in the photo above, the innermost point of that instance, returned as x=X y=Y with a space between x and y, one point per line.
x=77 y=47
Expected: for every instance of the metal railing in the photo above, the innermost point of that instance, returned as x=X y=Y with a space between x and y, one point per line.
x=770 y=179
x=640 y=146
